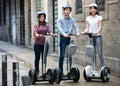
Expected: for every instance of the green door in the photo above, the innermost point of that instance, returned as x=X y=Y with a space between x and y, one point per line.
x=55 y=17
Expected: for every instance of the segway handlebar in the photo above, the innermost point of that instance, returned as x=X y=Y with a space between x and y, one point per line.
x=71 y=35
x=49 y=35
x=89 y=34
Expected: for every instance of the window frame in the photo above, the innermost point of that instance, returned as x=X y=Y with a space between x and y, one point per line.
x=80 y=17
x=100 y=8
x=78 y=7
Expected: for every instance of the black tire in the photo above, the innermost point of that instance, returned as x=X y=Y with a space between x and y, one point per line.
x=50 y=72
x=105 y=74
x=75 y=72
x=32 y=76
x=25 y=81
x=57 y=75
x=85 y=76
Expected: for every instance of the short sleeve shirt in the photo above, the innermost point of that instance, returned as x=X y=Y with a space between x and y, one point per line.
x=94 y=23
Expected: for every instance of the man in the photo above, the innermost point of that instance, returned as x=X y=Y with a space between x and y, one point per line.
x=65 y=25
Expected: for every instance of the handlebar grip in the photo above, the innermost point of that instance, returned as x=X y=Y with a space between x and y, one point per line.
x=89 y=34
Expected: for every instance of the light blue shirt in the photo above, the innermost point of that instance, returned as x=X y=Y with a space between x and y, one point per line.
x=66 y=25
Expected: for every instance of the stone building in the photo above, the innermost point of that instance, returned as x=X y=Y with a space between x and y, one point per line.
x=18 y=17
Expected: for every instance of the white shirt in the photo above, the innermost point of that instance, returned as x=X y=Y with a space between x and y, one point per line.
x=94 y=23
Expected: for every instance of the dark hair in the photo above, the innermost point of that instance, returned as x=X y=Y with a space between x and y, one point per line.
x=39 y=15
x=96 y=9
x=68 y=8
x=41 y=23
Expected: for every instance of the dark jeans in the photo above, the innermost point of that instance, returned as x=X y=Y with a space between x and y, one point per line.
x=63 y=43
x=38 y=50
x=97 y=42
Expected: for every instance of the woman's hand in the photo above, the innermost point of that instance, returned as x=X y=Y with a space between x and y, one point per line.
x=83 y=32
x=53 y=35
x=40 y=35
x=95 y=33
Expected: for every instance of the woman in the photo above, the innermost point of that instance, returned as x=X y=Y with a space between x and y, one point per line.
x=93 y=25
x=40 y=29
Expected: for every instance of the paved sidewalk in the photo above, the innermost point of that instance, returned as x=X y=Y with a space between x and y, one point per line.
x=23 y=70
x=26 y=58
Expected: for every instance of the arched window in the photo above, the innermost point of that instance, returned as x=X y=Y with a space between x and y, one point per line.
x=101 y=5
x=78 y=6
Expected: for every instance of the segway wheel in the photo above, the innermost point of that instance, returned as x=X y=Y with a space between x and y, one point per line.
x=50 y=72
x=76 y=73
x=32 y=76
x=85 y=76
x=57 y=75
x=105 y=74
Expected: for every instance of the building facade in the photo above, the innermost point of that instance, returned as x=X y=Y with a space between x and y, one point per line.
x=18 y=17
x=15 y=25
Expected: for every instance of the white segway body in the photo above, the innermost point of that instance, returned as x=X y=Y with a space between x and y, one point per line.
x=103 y=74
x=91 y=73
x=90 y=50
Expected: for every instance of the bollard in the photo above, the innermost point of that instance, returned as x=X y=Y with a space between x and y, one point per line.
x=15 y=73
x=4 y=70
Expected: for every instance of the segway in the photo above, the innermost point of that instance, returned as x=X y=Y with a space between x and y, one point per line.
x=46 y=75
x=73 y=73
x=90 y=72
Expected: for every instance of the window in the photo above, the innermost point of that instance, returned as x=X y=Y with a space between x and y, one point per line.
x=78 y=6
x=38 y=5
x=101 y=5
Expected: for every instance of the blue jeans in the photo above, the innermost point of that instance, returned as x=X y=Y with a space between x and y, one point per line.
x=38 y=50
x=97 y=42
x=63 y=43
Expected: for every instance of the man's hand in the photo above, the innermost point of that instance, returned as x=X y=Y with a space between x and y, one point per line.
x=65 y=35
x=78 y=34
